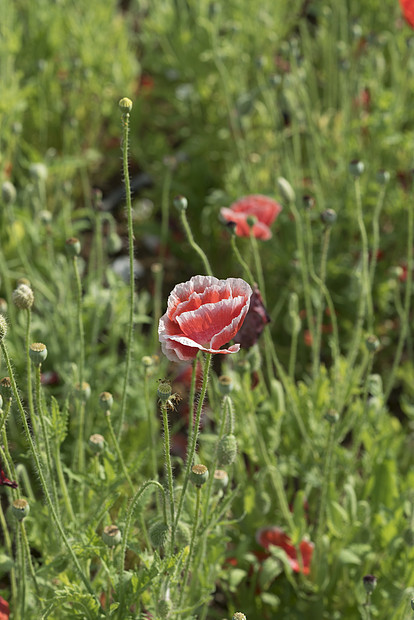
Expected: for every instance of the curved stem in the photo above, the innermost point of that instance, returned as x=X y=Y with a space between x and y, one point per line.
x=80 y=322
x=194 y=245
x=168 y=468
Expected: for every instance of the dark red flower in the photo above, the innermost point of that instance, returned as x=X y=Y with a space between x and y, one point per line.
x=263 y=208
x=407 y=7
x=203 y=315
x=4 y=609
x=254 y=323
x=4 y=481
x=275 y=536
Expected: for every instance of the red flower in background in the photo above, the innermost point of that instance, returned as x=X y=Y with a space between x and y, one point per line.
x=203 y=314
x=407 y=7
x=4 y=609
x=275 y=536
x=261 y=207
x=254 y=323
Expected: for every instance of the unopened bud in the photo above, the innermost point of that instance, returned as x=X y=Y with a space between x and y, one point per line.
x=370 y=582
x=158 y=534
x=251 y=220
x=38 y=172
x=164 y=608
x=227 y=450
x=83 y=391
x=331 y=416
x=221 y=479
x=23 y=297
x=111 y=535
x=372 y=343
x=328 y=217
x=286 y=190
x=3 y=327
x=383 y=177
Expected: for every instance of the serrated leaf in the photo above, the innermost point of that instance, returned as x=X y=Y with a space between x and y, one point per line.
x=59 y=421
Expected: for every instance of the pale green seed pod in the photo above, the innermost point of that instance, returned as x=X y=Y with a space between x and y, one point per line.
x=199 y=475
x=8 y=193
x=96 y=443
x=72 y=247
x=125 y=104
x=106 y=400
x=111 y=535
x=20 y=509
x=37 y=353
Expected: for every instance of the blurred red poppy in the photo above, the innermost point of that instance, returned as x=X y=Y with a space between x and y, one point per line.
x=275 y=536
x=263 y=208
x=254 y=323
x=203 y=314
x=4 y=609
x=4 y=481
x=407 y=7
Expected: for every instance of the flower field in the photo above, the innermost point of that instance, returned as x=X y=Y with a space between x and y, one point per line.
x=206 y=310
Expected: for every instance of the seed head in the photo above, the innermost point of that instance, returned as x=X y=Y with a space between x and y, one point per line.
x=328 y=217
x=221 y=479
x=8 y=193
x=111 y=535
x=23 y=297
x=38 y=172
x=106 y=400
x=126 y=105
x=225 y=384
x=356 y=167
x=372 y=343
x=199 y=475
x=180 y=203
x=37 y=353
x=73 y=247
x=96 y=443
x=3 y=327
x=383 y=177
x=370 y=582
x=83 y=391
x=164 y=391
x=20 y=509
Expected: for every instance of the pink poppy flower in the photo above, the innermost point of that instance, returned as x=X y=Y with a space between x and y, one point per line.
x=4 y=609
x=275 y=536
x=407 y=7
x=203 y=314
x=261 y=207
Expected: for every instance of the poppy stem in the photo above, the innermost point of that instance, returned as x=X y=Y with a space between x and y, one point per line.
x=29 y=367
x=125 y=145
x=168 y=468
x=195 y=245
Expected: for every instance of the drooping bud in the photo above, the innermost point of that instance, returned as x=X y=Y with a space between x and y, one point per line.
x=158 y=534
x=37 y=353
x=286 y=190
x=23 y=297
x=8 y=192
x=111 y=535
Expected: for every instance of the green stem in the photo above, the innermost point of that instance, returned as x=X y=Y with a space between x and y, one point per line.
x=118 y=450
x=124 y=542
x=245 y=266
x=319 y=313
x=327 y=469
x=29 y=368
x=150 y=414
x=193 y=244
x=22 y=574
x=168 y=468
x=28 y=555
x=125 y=124
x=45 y=438
x=157 y=270
x=36 y=459
x=258 y=266
x=193 y=441
x=80 y=321
x=62 y=484
x=376 y=235
x=9 y=549
x=192 y=541
x=192 y=396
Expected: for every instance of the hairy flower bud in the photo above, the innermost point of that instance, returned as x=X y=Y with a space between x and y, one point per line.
x=23 y=297
x=286 y=189
x=227 y=450
x=159 y=534
x=3 y=327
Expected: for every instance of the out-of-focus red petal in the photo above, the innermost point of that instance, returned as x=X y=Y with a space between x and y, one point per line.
x=4 y=609
x=407 y=7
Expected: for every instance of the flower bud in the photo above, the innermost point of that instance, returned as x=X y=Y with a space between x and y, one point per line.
x=23 y=297
x=96 y=443
x=383 y=177
x=239 y=616
x=45 y=217
x=20 y=509
x=37 y=353
x=164 y=608
x=199 y=475
x=8 y=193
x=72 y=247
x=286 y=190
x=221 y=479
x=114 y=243
x=3 y=305
x=183 y=533
x=180 y=203
x=126 y=105
x=356 y=167
x=106 y=400
x=370 y=582
x=147 y=361
x=225 y=385
x=251 y=220
x=308 y=201
x=3 y=327
x=164 y=391
x=227 y=450
x=328 y=217
x=111 y=535
x=158 y=534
